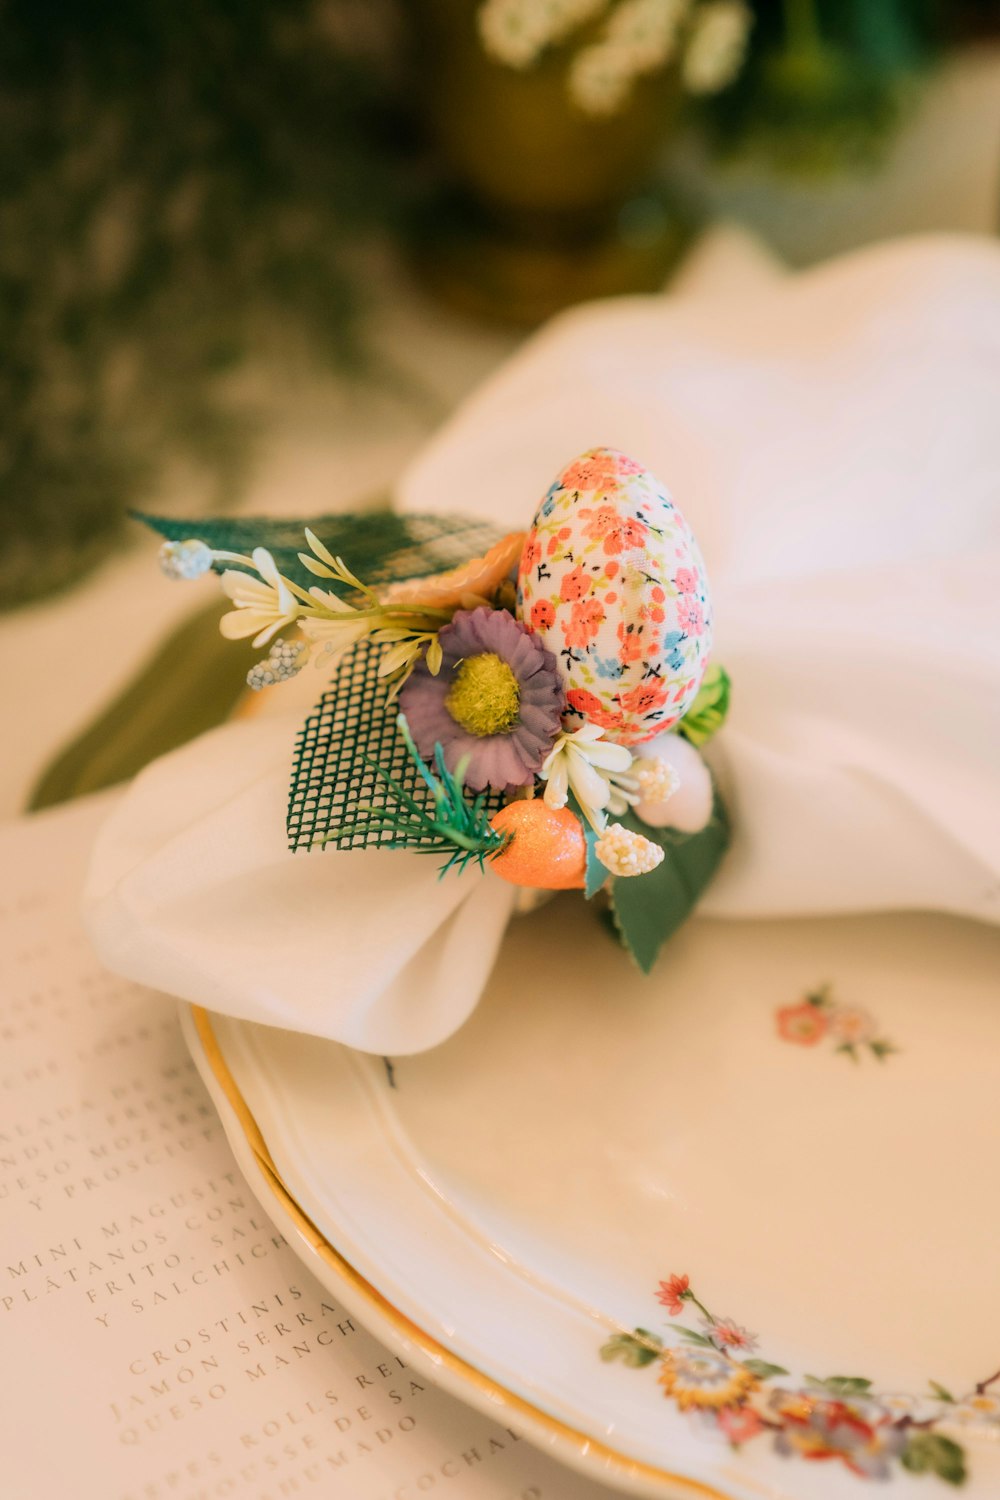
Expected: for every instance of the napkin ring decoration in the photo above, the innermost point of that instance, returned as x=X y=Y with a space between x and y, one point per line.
x=527 y=706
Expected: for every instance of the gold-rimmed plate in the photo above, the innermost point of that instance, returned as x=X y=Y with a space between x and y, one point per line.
x=727 y=1231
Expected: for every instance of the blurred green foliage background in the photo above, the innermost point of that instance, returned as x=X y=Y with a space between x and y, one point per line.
x=180 y=185
x=186 y=184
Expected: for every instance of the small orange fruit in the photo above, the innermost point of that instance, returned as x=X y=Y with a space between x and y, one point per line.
x=547 y=850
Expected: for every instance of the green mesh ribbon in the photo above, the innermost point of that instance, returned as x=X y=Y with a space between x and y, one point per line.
x=348 y=733
x=352 y=728
x=378 y=545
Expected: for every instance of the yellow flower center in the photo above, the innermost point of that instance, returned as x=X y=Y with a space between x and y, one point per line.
x=484 y=697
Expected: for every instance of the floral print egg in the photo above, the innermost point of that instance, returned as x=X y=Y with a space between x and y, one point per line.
x=612 y=581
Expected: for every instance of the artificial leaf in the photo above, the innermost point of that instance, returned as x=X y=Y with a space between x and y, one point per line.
x=941 y=1392
x=596 y=873
x=649 y=908
x=190 y=684
x=693 y=1336
x=933 y=1453
x=377 y=545
x=841 y=1385
x=763 y=1369
x=633 y=1349
x=707 y=713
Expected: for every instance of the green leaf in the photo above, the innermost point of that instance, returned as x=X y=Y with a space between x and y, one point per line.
x=597 y=874
x=693 y=1336
x=634 y=1350
x=933 y=1453
x=191 y=683
x=707 y=713
x=763 y=1369
x=841 y=1385
x=649 y=908
x=941 y=1392
x=378 y=545
x=882 y=1049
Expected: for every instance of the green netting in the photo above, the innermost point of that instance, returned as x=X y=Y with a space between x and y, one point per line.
x=379 y=545
x=350 y=726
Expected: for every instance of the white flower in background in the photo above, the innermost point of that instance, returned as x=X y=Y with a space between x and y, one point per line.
x=516 y=32
x=284 y=660
x=625 y=853
x=717 y=45
x=981 y=1409
x=512 y=31
x=585 y=763
x=640 y=36
x=647 y=30
x=600 y=78
x=264 y=605
x=916 y=1408
x=850 y=1025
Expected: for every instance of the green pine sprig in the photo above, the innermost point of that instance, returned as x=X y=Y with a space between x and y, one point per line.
x=451 y=825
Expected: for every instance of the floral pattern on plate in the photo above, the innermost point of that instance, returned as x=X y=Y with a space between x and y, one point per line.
x=714 y=1375
x=818 y=1017
x=612 y=580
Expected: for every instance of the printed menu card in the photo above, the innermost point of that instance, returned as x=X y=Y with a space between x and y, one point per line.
x=160 y=1339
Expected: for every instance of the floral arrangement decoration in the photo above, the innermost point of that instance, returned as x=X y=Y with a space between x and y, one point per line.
x=716 y=1376
x=534 y=711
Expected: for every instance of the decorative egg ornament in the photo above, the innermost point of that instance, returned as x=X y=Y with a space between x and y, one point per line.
x=612 y=582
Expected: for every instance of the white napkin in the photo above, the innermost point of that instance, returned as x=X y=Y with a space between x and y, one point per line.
x=834 y=440
x=192 y=890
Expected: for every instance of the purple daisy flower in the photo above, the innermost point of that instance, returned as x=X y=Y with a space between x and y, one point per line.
x=498 y=699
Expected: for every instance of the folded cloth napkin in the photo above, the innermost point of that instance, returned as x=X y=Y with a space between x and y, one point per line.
x=192 y=890
x=833 y=440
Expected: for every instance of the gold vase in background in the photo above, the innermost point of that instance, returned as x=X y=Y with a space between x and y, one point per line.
x=540 y=204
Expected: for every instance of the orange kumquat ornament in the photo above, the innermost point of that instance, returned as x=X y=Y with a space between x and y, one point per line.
x=547 y=850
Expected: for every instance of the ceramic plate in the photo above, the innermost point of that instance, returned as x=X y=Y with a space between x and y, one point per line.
x=733 y=1226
